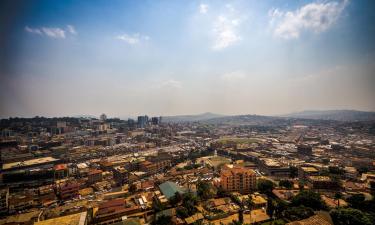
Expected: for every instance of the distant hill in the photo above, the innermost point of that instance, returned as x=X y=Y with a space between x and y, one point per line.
x=191 y=118
x=85 y=116
x=339 y=115
x=244 y=120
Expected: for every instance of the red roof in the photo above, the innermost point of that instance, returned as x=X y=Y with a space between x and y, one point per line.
x=94 y=171
x=61 y=167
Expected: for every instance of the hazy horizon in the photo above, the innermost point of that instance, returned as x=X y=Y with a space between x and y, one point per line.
x=129 y=58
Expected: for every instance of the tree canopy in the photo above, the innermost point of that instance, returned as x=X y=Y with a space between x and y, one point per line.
x=349 y=216
x=265 y=186
x=309 y=199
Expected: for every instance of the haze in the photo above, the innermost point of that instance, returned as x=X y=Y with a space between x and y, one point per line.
x=125 y=58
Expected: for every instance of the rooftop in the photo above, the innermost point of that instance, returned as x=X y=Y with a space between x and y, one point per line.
x=309 y=169
x=75 y=219
x=27 y=163
x=170 y=188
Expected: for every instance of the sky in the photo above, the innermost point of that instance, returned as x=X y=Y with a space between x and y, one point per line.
x=127 y=58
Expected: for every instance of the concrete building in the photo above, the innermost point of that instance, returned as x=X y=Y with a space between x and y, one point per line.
x=4 y=198
x=237 y=178
x=95 y=176
x=120 y=175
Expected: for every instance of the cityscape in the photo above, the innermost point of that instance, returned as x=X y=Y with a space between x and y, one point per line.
x=187 y=112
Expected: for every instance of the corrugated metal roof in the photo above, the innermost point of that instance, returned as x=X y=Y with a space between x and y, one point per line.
x=170 y=188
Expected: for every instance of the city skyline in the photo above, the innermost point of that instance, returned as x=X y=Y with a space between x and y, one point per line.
x=177 y=58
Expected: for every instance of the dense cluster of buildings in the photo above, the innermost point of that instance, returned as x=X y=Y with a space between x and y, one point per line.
x=112 y=171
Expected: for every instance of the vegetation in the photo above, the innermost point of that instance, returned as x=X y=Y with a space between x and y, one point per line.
x=265 y=186
x=309 y=199
x=162 y=220
x=157 y=206
x=356 y=201
x=187 y=208
x=205 y=190
x=293 y=172
x=175 y=199
x=349 y=216
x=298 y=213
x=286 y=183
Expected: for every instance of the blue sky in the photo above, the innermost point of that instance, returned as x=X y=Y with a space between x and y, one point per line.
x=126 y=58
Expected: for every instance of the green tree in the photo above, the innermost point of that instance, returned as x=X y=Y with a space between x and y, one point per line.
x=175 y=199
x=280 y=206
x=157 y=206
x=309 y=199
x=162 y=220
x=205 y=190
x=338 y=196
x=189 y=201
x=249 y=202
x=349 y=216
x=270 y=207
x=182 y=212
x=298 y=213
x=356 y=200
x=293 y=171
x=286 y=183
x=265 y=186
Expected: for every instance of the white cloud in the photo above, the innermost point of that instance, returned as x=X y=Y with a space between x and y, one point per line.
x=225 y=32
x=233 y=76
x=316 y=17
x=33 y=30
x=71 y=29
x=52 y=32
x=203 y=8
x=133 y=39
x=171 y=84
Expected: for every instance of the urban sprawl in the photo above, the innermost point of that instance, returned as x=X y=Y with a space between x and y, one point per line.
x=153 y=170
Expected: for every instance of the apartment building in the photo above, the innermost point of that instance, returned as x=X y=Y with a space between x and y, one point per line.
x=237 y=178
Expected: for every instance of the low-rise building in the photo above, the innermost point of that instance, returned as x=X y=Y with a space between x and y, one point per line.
x=4 y=198
x=120 y=175
x=94 y=176
x=322 y=182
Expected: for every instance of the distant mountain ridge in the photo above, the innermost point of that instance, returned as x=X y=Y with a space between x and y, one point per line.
x=336 y=115
x=339 y=115
x=191 y=118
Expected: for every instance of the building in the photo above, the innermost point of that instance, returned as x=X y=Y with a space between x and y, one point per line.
x=74 y=219
x=4 y=198
x=322 y=182
x=68 y=190
x=321 y=218
x=120 y=175
x=142 y=121
x=94 y=176
x=20 y=202
x=31 y=164
x=304 y=150
x=113 y=211
x=169 y=189
x=154 y=167
x=237 y=178
x=61 y=171
x=274 y=168
x=305 y=171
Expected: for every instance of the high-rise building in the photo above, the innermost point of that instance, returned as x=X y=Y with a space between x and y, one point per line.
x=103 y=117
x=155 y=120
x=142 y=121
x=237 y=178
